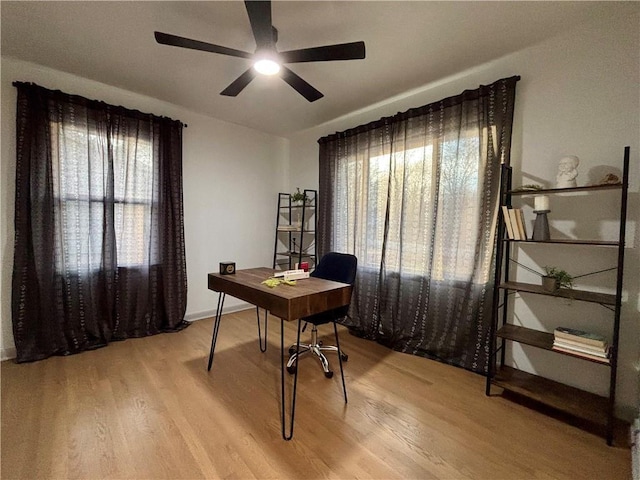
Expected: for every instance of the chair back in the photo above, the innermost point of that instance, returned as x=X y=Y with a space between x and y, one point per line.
x=337 y=267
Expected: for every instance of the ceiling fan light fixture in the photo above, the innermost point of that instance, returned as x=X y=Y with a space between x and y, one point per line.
x=266 y=66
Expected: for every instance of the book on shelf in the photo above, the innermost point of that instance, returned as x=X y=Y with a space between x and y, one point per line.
x=513 y=216
x=515 y=223
x=597 y=351
x=507 y=221
x=289 y=228
x=522 y=224
x=577 y=344
x=589 y=356
x=581 y=336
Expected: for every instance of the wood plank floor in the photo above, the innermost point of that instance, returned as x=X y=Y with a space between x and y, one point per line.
x=148 y=409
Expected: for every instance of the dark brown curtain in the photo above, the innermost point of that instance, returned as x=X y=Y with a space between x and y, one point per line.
x=99 y=234
x=415 y=198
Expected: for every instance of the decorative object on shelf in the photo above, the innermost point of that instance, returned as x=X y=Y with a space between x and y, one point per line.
x=530 y=187
x=567 y=172
x=541 y=225
x=610 y=179
x=227 y=268
x=299 y=199
x=294 y=250
x=555 y=279
x=541 y=203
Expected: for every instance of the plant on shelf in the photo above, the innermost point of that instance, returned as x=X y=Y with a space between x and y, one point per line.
x=556 y=278
x=298 y=196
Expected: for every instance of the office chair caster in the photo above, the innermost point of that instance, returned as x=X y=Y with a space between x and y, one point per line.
x=292 y=369
x=328 y=374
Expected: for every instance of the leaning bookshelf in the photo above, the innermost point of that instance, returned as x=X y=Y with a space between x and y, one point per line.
x=295 y=235
x=594 y=411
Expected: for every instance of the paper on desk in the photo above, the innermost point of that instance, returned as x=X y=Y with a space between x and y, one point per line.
x=274 y=282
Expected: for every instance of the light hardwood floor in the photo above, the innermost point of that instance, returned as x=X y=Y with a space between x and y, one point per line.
x=148 y=409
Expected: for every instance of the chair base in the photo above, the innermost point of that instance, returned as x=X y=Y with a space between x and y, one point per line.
x=315 y=348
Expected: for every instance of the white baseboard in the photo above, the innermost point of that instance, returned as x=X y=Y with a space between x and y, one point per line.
x=10 y=352
x=7 y=353
x=192 y=317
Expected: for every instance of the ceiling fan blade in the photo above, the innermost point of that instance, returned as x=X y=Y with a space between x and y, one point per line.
x=176 y=41
x=239 y=83
x=342 y=51
x=260 y=18
x=300 y=86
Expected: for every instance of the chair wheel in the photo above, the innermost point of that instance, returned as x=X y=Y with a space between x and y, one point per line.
x=328 y=374
x=292 y=350
x=345 y=357
x=292 y=369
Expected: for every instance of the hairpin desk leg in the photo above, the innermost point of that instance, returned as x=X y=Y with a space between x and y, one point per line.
x=216 y=327
x=263 y=347
x=288 y=436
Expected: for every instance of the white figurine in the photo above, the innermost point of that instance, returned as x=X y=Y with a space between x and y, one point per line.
x=567 y=172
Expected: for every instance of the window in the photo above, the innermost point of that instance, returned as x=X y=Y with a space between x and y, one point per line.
x=89 y=189
x=404 y=192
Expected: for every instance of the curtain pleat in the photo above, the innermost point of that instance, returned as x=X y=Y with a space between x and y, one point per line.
x=415 y=198
x=99 y=236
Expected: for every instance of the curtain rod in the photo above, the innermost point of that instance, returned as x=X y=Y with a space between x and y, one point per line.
x=31 y=84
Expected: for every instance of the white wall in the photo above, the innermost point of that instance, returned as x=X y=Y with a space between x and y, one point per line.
x=579 y=94
x=231 y=179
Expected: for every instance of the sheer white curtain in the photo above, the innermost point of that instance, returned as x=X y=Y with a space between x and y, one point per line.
x=415 y=198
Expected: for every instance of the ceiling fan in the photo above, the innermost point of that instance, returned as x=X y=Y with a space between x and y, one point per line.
x=266 y=59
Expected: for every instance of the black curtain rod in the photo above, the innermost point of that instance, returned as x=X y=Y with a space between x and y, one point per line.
x=137 y=112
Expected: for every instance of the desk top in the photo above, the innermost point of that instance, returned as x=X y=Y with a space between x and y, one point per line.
x=290 y=302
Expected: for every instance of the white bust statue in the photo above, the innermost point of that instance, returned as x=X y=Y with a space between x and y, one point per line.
x=567 y=172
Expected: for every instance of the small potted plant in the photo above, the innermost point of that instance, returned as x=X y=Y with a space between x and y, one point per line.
x=298 y=197
x=556 y=278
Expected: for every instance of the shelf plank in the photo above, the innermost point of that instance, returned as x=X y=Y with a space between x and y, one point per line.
x=569 y=241
x=294 y=254
x=536 y=338
x=571 y=293
x=287 y=207
x=547 y=191
x=527 y=336
x=284 y=229
x=563 y=398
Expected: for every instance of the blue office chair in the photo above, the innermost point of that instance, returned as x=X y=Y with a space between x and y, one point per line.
x=338 y=267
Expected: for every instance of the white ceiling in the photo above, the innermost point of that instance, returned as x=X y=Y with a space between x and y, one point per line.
x=409 y=44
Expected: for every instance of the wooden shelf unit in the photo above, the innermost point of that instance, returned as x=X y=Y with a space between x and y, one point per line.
x=294 y=245
x=593 y=409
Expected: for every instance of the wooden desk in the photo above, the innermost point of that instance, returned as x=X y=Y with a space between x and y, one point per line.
x=309 y=296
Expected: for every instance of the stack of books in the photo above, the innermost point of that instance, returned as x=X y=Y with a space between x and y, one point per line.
x=289 y=228
x=514 y=221
x=583 y=344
